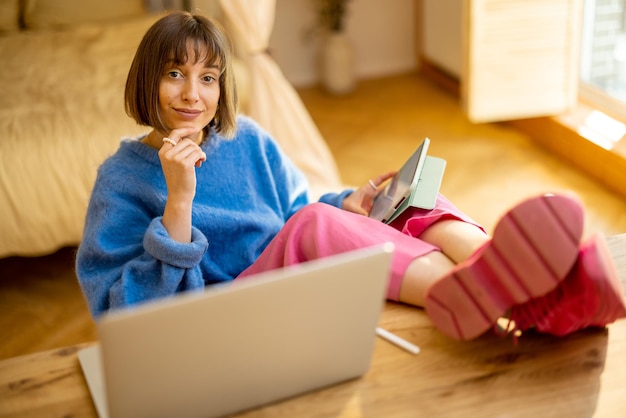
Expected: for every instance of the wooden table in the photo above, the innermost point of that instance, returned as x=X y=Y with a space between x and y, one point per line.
x=582 y=375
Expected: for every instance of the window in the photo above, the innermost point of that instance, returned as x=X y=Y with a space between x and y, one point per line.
x=603 y=56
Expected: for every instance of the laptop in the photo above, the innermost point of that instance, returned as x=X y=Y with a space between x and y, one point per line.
x=238 y=346
x=417 y=184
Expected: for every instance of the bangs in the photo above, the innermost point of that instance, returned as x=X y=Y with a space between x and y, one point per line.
x=205 y=51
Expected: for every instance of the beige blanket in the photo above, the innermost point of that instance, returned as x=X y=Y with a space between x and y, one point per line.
x=61 y=115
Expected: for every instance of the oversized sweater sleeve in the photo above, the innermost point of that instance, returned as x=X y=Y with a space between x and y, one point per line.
x=335 y=199
x=126 y=256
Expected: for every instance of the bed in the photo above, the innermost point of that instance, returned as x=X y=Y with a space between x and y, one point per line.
x=64 y=66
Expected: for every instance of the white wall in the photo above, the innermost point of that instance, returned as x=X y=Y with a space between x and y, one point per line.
x=383 y=34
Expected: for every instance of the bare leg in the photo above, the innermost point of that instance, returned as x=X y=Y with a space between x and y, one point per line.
x=421 y=274
x=457 y=240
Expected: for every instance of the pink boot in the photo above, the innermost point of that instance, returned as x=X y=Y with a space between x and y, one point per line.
x=533 y=248
x=590 y=296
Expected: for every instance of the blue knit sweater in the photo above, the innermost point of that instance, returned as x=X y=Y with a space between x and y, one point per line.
x=246 y=190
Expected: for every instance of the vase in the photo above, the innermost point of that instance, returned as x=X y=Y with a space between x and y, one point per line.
x=337 y=63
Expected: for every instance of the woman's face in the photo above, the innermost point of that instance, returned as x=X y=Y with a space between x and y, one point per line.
x=189 y=93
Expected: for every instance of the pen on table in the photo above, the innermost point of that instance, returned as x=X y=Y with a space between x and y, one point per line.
x=400 y=342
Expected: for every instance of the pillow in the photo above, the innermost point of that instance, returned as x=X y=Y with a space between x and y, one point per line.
x=9 y=15
x=42 y=14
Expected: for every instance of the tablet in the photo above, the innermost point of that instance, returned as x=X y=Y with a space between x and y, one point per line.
x=401 y=185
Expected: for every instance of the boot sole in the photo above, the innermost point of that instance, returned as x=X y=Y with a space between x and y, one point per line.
x=533 y=248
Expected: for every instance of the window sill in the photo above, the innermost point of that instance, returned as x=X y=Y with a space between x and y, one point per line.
x=571 y=138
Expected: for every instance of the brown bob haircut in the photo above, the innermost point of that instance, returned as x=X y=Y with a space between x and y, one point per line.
x=166 y=42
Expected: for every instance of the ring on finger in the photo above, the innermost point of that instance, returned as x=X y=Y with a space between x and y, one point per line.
x=373 y=185
x=169 y=141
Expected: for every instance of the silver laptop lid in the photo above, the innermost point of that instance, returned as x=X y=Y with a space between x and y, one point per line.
x=255 y=341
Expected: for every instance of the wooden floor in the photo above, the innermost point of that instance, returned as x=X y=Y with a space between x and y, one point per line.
x=490 y=168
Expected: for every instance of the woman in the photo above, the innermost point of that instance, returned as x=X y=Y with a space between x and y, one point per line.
x=209 y=197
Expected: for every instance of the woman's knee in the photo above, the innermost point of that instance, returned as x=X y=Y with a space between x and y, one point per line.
x=319 y=209
x=315 y=211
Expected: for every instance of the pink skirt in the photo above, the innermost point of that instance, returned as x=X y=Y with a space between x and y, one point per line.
x=320 y=230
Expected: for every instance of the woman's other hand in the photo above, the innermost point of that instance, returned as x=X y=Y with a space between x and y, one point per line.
x=361 y=200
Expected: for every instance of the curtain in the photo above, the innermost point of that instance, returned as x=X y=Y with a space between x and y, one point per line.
x=273 y=102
